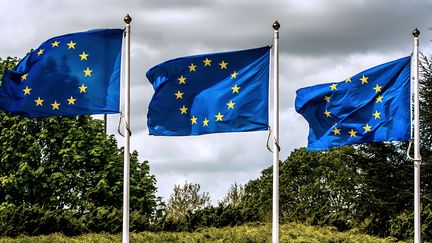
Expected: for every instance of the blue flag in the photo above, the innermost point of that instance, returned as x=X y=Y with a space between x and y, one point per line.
x=73 y=74
x=371 y=106
x=212 y=93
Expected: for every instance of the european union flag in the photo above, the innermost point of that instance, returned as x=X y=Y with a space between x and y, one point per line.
x=73 y=74
x=371 y=106
x=212 y=93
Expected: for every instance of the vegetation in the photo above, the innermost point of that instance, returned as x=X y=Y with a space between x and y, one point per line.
x=186 y=199
x=63 y=174
x=260 y=233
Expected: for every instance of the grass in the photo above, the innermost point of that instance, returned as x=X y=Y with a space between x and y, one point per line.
x=288 y=233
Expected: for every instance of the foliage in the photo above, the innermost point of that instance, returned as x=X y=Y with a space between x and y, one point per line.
x=67 y=162
x=234 y=196
x=7 y=64
x=68 y=165
x=402 y=226
x=249 y=233
x=185 y=200
x=367 y=187
x=426 y=128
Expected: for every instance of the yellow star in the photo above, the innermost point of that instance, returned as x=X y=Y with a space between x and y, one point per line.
x=194 y=120
x=377 y=88
x=71 y=101
x=55 y=105
x=182 y=80
x=364 y=80
x=87 y=72
x=207 y=62
x=55 y=44
x=327 y=113
x=367 y=128
x=192 y=67
x=377 y=115
x=327 y=99
x=234 y=74
x=333 y=87
x=183 y=110
x=24 y=77
x=235 y=89
x=336 y=131
x=230 y=105
x=71 y=45
x=223 y=64
x=83 y=56
x=205 y=122
x=219 y=116
x=83 y=88
x=352 y=133
x=40 y=52
x=348 y=80
x=379 y=98
x=27 y=90
x=179 y=95
x=39 y=101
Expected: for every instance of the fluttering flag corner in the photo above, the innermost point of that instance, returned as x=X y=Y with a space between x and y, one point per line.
x=72 y=74
x=210 y=93
x=371 y=106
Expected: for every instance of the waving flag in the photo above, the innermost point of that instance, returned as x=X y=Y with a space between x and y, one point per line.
x=73 y=74
x=371 y=106
x=211 y=93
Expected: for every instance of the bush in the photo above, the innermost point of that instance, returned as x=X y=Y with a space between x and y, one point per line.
x=402 y=226
x=37 y=220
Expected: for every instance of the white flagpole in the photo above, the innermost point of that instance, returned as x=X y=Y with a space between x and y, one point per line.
x=275 y=222
x=126 y=175
x=417 y=157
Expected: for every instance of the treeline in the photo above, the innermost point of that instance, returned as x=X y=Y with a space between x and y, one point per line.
x=63 y=174
x=366 y=187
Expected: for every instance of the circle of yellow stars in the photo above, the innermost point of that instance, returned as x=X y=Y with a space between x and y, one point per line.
x=376 y=115
x=71 y=45
x=182 y=80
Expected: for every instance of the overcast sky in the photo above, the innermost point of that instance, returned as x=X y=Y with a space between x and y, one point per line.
x=320 y=41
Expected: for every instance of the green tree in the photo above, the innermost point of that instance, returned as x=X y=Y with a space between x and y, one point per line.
x=67 y=163
x=185 y=200
x=368 y=186
x=234 y=196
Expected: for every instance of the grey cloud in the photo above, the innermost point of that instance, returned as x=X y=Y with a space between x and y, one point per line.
x=321 y=41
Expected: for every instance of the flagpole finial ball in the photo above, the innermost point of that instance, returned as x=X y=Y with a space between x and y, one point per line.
x=416 y=32
x=276 y=25
x=128 y=19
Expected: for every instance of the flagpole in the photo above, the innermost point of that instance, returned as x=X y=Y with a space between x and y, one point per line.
x=105 y=123
x=417 y=157
x=275 y=149
x=126 y=175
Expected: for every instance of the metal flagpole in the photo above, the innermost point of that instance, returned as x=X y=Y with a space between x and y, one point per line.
x=417 y=157
x=275 y=222
x=126 y=175
x=105 y=123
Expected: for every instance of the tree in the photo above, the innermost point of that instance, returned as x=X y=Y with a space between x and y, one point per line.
x=67 y=163
x=234 y=196
x=367 y=186
x=352 y=186
x=426 y=128
x=186 y=200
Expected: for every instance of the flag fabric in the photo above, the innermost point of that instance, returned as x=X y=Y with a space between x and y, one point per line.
x=73 y=74
x=371 y=106
x=211 y=93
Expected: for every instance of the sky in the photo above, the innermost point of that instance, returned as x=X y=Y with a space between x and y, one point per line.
x=321 y=41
